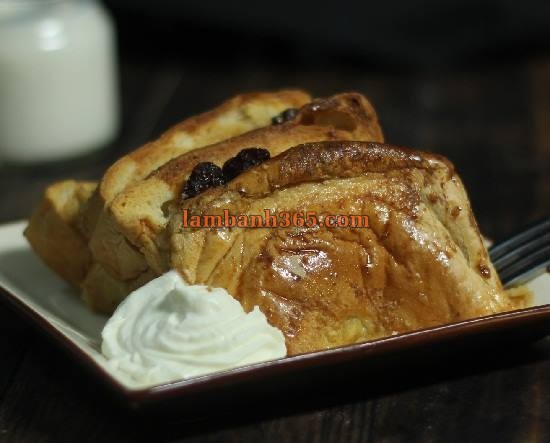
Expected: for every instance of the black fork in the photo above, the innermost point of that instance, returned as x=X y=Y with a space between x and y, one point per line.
x=523 y=256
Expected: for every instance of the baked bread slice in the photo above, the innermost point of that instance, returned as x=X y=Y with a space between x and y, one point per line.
x=129 y=239
x=421 y=262
x=53 y=230
x=235 y=116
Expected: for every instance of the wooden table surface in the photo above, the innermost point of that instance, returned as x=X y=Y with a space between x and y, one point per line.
x=493 y=122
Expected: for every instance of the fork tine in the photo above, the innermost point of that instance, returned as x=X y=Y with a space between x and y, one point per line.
x=524 y=255
x=523 y=250
x=527 y=267
x=508 y=246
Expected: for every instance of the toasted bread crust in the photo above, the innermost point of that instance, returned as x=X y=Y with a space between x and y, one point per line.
x=332 y=159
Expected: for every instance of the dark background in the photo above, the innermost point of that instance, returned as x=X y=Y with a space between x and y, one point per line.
x=419 y=34
x=470 y=80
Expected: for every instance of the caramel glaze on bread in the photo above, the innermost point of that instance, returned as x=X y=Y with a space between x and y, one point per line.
x=420 y=263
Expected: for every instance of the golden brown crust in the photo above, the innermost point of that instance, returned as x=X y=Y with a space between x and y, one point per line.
x=417 y=265
x=334 y=159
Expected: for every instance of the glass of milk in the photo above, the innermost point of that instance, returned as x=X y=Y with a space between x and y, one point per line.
x=58 y=79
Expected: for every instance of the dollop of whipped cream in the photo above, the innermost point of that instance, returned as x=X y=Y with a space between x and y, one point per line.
x=169 y=330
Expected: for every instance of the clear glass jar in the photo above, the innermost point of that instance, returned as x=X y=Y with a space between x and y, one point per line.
x=58 y=79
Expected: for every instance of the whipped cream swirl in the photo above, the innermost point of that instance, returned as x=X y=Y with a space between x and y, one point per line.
x=169 y=330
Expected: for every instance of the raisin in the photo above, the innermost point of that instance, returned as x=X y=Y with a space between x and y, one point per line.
x=205 y=175
x=244 y=160
x=285 y=116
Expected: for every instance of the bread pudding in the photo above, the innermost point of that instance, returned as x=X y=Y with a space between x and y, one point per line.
x=419 y=262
